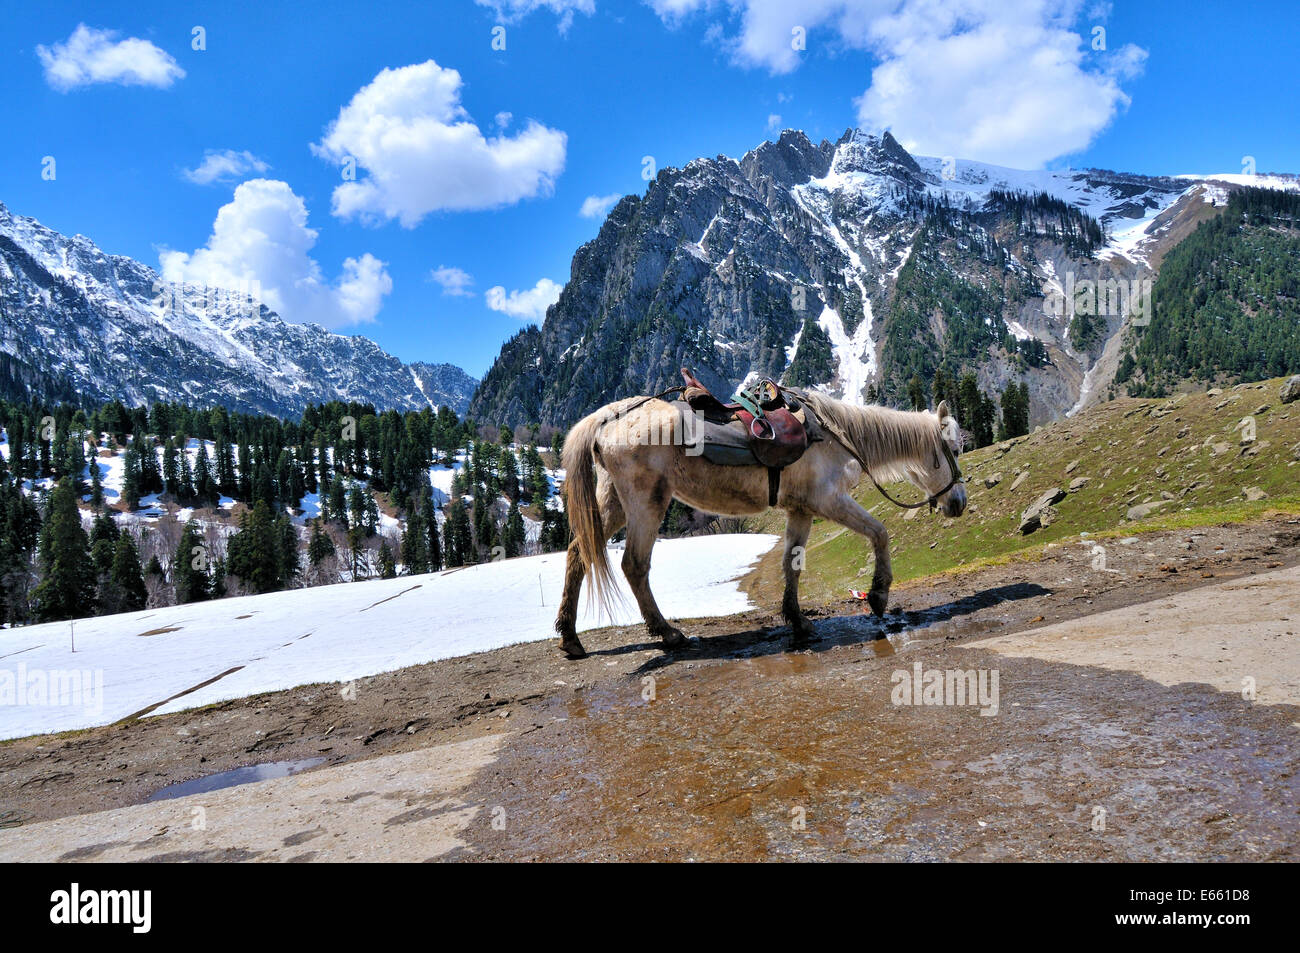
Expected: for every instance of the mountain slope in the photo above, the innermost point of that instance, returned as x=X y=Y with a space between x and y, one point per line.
x=1227 y=302
x=105 y=326
x=902 y=262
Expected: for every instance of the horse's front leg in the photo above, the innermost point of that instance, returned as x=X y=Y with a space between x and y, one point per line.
x=797 y=525
x=844 y=510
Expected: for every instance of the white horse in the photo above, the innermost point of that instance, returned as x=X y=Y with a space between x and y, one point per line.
x=620 y=473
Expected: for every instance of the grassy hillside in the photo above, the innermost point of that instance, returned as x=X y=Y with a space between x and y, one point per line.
x=1135 y=464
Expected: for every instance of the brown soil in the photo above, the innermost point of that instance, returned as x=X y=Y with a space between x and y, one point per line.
x=739 y=749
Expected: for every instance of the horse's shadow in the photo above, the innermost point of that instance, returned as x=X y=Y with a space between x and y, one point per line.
x=830 y=632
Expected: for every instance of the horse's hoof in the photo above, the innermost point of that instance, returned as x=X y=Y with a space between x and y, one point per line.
x=674 y=639
x=879 y=601
x=573 y=648
x=802 y=634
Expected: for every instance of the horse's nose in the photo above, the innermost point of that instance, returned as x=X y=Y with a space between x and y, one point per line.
x=955 y=505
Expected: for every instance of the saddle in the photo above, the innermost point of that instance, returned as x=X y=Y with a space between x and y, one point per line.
x=766 y=425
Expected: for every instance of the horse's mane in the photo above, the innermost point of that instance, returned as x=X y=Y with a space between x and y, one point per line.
x=895 y=444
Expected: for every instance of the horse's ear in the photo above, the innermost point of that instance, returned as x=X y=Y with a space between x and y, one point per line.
x=942 y=410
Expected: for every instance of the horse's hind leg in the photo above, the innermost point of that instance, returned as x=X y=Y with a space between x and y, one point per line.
x=643 y=519
x=797 y=525
x=611 y=521
x=844 y=510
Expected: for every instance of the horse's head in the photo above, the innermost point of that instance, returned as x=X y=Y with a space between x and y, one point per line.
x=944 y=479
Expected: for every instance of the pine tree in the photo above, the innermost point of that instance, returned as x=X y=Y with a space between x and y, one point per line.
x=415 y=542
x=387 y=568
x=458 y=546
x=204 y=484
x=126 y=578
x=288 y=564
x=245 y=481
x=67 y=587
x=338 y=501
x=1015 y=411
x=255 y=553
x=20 y=526
x=171 y=471
x=150 y=478
x=513 y=535
x=131 y=478
x=186 y=489
x=96 y=484
x=916 y=392
x=190 y=566
x=103 y=544
x=321 y=546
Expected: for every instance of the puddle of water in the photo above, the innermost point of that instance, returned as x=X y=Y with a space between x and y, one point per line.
x=234 y=777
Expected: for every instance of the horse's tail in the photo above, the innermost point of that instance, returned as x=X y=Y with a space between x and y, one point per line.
x=583 y=508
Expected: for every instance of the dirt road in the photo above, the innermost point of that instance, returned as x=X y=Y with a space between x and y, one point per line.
x=1119 y=731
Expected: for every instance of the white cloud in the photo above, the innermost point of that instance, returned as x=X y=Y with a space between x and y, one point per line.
x=1006 y=81
x=223 y=165
x=598 y=206
x=455 y=281
x=774 y=122
x=512 y=11
x=96 y=56
x=502 y=120
x=261 y=236
x=528 y=305
x=422 y=153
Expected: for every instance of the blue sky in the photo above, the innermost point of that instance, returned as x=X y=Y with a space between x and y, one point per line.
x=591 y=88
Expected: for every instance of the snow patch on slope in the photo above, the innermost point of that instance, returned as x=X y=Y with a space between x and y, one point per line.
x=336 y=633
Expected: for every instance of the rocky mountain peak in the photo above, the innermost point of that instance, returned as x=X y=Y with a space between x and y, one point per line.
x=105 y=326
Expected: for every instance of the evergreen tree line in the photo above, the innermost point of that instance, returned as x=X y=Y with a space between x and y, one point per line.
x=1042 y=215
x=52 y=568
x=1226 y=301
x=976 y=411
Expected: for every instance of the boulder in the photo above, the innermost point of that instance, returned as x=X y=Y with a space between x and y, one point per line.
x=1041 y=512
x=1253 y=493
x=1043 y=517
x=1290 y=389
x=1143 y=510
x=992 y=480
x=1077 y=484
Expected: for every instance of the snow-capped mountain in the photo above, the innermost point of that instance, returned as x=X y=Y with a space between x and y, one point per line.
x=852 y=265
x=75 y=320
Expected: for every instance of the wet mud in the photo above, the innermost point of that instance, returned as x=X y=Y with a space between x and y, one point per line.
x=738 y=749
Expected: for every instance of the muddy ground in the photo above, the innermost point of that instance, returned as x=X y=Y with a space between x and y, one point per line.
x=740 y=749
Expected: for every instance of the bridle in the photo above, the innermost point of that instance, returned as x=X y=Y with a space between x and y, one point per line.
x=933 y=498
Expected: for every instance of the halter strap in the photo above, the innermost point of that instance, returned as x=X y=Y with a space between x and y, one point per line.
x=953 y=468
